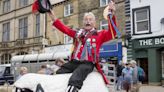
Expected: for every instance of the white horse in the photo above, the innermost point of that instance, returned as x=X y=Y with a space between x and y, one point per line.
x=58 y=83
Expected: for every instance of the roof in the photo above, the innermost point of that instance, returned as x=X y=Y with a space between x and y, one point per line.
x=43 y=56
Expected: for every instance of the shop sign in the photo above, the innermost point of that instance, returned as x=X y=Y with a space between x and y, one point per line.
x=149 y=42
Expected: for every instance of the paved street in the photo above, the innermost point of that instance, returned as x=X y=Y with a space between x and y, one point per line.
x=152 y=89
x=144 y=88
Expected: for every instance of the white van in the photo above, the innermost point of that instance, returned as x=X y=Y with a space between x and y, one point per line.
x=34 y=61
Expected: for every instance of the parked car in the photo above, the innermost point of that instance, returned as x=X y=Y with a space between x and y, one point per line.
x=6 y=75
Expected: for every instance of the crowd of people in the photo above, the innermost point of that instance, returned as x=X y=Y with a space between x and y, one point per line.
x=44 y=68
x=129 y=76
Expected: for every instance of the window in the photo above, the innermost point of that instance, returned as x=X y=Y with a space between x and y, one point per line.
x=22 y=53
x=141 y=20
x=68 y=9
x=6 y=32
x=5 y=58
x=104 y=2
x=6 y=6
x=67 y=39
x=23 y=28
x=103 y=24
x=37 y=32
x=23 y=3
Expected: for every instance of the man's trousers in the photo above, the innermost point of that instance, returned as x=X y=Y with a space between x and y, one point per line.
x=79 y=70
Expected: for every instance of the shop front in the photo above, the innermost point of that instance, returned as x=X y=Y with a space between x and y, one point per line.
x=149 y=54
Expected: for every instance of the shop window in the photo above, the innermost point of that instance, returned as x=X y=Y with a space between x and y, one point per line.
x=141 y=20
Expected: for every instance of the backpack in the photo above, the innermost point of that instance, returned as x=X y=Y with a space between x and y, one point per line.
x=141 y=74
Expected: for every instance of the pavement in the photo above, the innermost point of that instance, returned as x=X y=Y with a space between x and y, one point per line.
x=151 y=89
x=143 y=88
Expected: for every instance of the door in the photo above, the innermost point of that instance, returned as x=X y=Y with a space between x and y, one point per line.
x=143 y=63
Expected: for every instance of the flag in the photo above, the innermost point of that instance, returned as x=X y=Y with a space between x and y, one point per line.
x=35 y=7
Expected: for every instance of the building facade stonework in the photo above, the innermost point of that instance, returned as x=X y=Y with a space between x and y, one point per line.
x=18 y=33
x=35 y=38
x=75 y=19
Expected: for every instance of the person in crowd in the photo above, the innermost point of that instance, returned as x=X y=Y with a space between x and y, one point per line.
x=119 y=69
x=44 y=70
x=58 y=63
x=86 y=50
x=135 y=71
x=138 y=75
x=23 y=71
x=127 y=74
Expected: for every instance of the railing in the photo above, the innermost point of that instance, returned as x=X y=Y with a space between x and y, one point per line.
x=22 y=43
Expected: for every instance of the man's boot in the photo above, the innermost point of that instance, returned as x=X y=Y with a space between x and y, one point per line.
x=72 y=89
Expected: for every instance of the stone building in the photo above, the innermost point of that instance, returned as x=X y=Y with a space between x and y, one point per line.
x=22 y=32
x=71 y=13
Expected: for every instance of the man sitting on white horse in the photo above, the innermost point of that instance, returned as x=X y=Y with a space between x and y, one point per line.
x=86 y=47
x=86 y=50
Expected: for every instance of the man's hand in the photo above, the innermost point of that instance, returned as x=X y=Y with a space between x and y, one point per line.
x=112 y=7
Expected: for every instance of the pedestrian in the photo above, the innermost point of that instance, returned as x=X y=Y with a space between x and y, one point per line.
x=141 y=75
x=23 y=71
x=44 y=69
x=87 y=44
x=119 y=69
x=127 y=74
x=138 y=75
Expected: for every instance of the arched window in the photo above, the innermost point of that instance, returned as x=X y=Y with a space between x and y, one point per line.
x=22 y=53
x=5 y=58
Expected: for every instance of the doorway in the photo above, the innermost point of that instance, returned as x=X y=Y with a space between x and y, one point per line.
x=143 y=63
